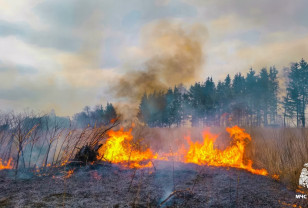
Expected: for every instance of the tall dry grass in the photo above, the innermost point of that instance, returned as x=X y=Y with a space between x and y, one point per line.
x=281 y=151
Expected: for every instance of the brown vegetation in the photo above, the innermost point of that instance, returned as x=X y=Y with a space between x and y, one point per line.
x=281 y=151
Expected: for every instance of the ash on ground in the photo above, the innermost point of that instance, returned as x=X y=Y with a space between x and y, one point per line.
x=168 y=185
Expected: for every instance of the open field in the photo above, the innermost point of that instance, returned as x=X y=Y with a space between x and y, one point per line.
x=281 y=152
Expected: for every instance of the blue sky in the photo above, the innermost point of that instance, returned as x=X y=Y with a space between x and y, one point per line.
x=63 y=55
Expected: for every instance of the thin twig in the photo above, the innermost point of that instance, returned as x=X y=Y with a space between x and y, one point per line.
x=172 y=194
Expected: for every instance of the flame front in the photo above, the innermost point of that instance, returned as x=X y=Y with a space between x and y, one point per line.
x=205 y=153
x=119 y=149
x=6 y=165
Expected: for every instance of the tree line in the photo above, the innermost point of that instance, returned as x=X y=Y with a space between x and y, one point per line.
x=255 y=99
x=95 y=117
x=88 y=117
x=295 y=101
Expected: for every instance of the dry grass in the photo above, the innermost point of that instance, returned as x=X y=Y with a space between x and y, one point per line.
x=281 y=151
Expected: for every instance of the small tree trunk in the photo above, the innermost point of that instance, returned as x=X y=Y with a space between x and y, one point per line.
x=265 y=118
x=297 y=116
x=23 y=158
x=17 y=163
x=303 y=116
x=47 y=154
x=29 y=165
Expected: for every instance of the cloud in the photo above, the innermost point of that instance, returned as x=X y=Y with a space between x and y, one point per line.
x=16 y=11
x=45 y=78
x=15 y=52
x=46 y=91
x=277 y=53
x=233 y=56
x=229 y=25
x=66 y=54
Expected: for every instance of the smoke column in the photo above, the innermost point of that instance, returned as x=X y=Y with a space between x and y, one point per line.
x=175 y=55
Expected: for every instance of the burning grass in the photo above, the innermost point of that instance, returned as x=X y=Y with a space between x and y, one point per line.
x=279 y=153
x=232 y=156
x=282 y=152
x=147 y=154
x=6 y=165
x=120 y=149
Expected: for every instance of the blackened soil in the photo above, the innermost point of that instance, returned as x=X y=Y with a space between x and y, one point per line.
x=170 y=185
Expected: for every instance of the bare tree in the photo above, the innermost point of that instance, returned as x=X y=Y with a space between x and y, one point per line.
x=22 y=128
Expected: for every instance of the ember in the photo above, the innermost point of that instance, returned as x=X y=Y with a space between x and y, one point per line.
x=6 y=165
x=69 y=174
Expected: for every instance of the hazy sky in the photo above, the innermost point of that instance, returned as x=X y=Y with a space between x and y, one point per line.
x=65 y=54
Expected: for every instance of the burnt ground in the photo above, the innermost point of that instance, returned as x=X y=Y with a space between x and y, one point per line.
x=112 y=186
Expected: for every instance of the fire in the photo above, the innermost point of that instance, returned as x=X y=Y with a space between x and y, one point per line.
x=69 y=173
x=6 y=165
x=276 y=177
x=205 y=153
x=298 y=190
x=290 y=205
x=119 y=148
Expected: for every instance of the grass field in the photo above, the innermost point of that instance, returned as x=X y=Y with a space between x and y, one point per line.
x=281 y=151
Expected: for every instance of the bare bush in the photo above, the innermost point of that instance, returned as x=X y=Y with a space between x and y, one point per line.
x=22 y=126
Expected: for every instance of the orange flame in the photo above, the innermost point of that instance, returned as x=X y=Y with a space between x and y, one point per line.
x=119 y=149
x=275 y=177
x=290 y=205
x=232 y=156
x=6 y=165
x=69 y=173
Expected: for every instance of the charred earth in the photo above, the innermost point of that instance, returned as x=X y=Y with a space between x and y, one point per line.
x=169 y=184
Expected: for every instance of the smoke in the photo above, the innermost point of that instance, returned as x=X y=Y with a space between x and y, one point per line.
x=174 y=54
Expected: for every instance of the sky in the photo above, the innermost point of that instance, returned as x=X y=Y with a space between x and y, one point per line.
x=64 y=55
